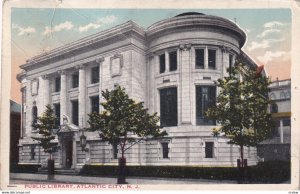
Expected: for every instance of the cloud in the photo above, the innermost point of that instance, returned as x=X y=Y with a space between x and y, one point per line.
x=273 y=24
x=269 y=56
x=268 y=32
x=88 y=27
x=22 y=31
x=67 y=25
x=107 y=20
x=99 y=23
x=263 y=44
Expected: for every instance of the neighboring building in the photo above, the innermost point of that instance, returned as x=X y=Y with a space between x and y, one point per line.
x=172 y=66
x=278 y=146
x=15 y=129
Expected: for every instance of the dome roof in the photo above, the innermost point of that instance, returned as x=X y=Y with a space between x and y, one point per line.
x=189 y=13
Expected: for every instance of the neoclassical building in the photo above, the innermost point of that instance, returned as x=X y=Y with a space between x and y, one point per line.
x=171 y=66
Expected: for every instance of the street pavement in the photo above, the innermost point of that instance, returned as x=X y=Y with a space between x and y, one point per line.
x=27 y=178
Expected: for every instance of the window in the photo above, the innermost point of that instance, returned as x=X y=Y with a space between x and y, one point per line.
x=34 y=116
x=272 y=96
x=57 y=114
x=211 y=59
x=75 y=80
x=57 y=84
x=173 y=61
x=165 y=149
x=199 y=58
x=168 y=107
x=286 y=122
x=162 y=63
x=205 y=97
x=32 y=153
x=115 y=151
x=95 y=104
x=209 y=149
x=282 y=95
x=95 y=75
x=230 y=63
x=274 y=108
x=75 y=112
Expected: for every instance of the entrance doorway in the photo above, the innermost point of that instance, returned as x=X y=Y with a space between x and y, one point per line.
x=68 y=153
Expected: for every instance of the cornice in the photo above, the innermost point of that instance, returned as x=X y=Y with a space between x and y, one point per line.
x=125 y=30
x=196 y=21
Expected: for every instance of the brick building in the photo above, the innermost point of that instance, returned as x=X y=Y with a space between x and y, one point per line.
x=171 y=66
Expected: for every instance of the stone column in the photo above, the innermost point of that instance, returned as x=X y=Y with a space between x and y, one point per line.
x=46 y=90
x=185 y=88
x=281 y=130
x=206 y=58
x=167 y=61
x=28 y=108
x=74 y=157
x=100 y=62
x=63 y=95
x=82 y=96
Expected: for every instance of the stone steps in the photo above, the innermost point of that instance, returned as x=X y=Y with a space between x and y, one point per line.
x=59 y=171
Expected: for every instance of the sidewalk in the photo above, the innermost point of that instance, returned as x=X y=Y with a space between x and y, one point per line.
x=75 y=179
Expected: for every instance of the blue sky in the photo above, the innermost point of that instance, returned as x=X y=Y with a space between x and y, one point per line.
x=35 y=31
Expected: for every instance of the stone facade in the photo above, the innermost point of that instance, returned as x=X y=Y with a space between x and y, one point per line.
x=183 y=52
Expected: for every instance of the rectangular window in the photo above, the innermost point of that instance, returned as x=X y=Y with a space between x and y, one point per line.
x=209 y=149
x=115 y=151
x=57 y=114
x=211 y=59
x=57 y=84
x=95 y=75
x=230 y=62
x=165 y=149
x=168 y=107
x=75 y=80
x=95 y=104
x=199 y=58
x=162 y=63
x=75 y=112
x=173 y=61
x=286 y=122
x=205 y=97
x=32 y=153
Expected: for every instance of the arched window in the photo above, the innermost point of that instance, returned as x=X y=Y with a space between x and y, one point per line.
x=272 y=96
x=274 y=108
x=282 y=95
x=34 y=115
x=288 y=94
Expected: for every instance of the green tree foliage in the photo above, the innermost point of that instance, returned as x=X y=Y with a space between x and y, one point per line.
x=45 y=124
x=242 y=107
x=123 y=121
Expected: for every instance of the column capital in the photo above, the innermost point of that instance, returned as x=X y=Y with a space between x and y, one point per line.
x=78 y=67
x=61 y=72
x=46 y=76
x=100 y=60
x=185 y=47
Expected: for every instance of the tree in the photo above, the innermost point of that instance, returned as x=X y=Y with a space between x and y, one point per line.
x=45 y=124
x=242 y=107
x=124 y=122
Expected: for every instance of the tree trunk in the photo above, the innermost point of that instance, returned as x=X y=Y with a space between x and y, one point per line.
x=242 y=169
x=50 y=168
x=122 y=167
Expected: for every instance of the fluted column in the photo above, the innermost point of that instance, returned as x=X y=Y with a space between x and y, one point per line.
x=46 y=90
x=82 y=96
x=206 y=58
x=63 y=95
x=100 y=62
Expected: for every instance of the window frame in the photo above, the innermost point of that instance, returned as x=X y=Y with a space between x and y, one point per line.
x=212 y=100
x=173 y=67
x=165 y=151
x=75 y=117
x=160 y=60
x=208 y=58
x=166 y=120
x=57 y=84
x=97 y=74
x=198 y=66
x=212 y=154
x=91 y=103
x=75 y=80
